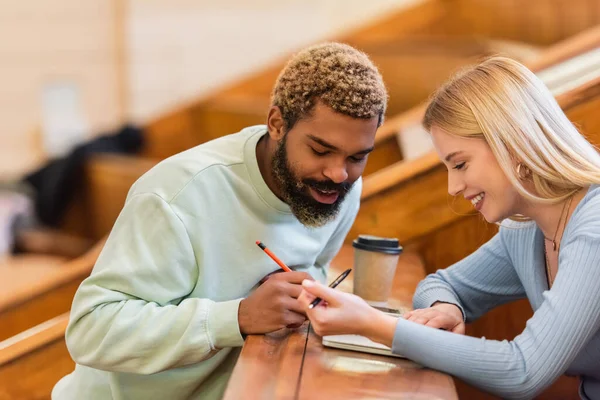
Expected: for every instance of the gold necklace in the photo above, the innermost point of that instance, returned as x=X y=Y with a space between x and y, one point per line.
x=553 y=240
x=556 y=248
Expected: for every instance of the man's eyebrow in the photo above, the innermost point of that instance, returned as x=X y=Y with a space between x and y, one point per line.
x=451 y=155
x=365 y=151
x=322 y=142
x=332 y=147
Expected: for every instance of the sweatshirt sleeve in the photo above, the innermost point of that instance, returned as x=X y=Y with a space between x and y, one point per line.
x=132 y=314
x=483 y=280
x=564 y=324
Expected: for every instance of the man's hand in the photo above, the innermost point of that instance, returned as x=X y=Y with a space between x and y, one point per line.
x=274 y=305
x=439 y=315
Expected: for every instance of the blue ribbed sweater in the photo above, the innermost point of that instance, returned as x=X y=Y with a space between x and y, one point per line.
x=563 y=336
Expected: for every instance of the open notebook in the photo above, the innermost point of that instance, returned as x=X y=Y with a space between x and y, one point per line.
x=357 y=343
x=361 y=343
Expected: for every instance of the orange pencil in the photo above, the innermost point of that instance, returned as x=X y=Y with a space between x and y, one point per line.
x=273 y=256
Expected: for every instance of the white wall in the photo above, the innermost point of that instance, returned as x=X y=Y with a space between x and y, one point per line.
x=180 y=49
x=174 y=51
x=43 y=42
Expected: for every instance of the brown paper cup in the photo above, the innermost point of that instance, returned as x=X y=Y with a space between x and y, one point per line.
x=375 y=261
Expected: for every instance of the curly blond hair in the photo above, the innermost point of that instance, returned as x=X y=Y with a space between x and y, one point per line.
x=336 y=74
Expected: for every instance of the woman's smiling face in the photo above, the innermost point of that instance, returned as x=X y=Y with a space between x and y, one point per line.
x=474 y=171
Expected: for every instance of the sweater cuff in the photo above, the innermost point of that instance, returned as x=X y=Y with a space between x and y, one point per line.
x=223 y=326
x=427 y=299
x=399 y=343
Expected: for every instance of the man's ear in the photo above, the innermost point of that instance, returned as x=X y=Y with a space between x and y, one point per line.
x=275 y=124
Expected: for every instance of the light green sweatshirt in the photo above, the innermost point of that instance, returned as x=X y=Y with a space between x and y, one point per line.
x=157 y=318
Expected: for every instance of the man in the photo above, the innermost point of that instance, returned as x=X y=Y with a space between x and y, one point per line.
x=178 y=283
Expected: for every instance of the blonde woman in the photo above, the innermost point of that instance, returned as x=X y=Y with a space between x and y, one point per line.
x=513 y=153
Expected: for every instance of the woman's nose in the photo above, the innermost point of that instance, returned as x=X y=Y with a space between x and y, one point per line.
x=455 y=185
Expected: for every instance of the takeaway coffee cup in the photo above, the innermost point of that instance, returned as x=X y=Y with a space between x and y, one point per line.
x=375 y=260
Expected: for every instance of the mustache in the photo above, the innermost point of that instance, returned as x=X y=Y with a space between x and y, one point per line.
x=341 y=188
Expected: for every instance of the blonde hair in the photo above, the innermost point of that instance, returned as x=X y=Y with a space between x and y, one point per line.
x=503 y=102
x=339 y=75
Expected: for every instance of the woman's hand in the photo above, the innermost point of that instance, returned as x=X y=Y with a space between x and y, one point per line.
x=342 y=313
x=441 y=316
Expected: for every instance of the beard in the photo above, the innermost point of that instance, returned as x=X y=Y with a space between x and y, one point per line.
x=295 y=191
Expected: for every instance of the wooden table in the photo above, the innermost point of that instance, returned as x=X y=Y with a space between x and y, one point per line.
x=294 y=365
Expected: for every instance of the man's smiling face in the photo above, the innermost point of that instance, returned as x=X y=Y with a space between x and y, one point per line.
x=319 y=159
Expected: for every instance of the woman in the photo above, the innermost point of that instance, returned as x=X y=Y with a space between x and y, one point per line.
x=513 y=153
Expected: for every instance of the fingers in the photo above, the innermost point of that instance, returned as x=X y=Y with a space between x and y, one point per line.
x=294 y=319
x=288 y=283
x=305 y=298
x=439 y=323
x=324 y=292
x=294 y=277
x=420 y=319
x=269 y=275
x=422 y=315
x=293 y=290
x=296 y=306
x=435 y=319
x=460 y=329
x=413 y=315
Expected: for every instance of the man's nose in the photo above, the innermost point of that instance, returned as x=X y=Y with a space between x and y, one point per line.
x=337 y=173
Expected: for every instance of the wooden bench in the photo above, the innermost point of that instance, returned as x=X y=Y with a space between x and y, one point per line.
x=401 y=131
x=412 y=65
x=416 y=48
x=412 y=69
x=32 y=362
x=423 y=180
x=34 y=289
x=107 y=178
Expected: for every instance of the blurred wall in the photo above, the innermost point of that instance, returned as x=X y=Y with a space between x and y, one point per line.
x=136 y=59
x=180 y=49
x=49 y=42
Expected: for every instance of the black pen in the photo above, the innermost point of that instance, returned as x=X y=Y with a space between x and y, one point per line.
x=337 y=281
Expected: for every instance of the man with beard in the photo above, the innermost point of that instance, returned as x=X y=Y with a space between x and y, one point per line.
x=180 y=281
